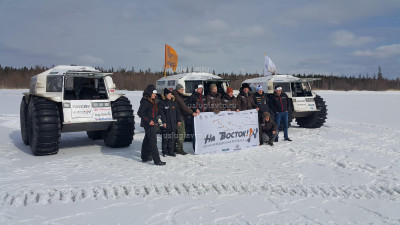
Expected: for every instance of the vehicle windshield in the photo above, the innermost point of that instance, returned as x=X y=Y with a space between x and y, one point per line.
x=81 y=88
x=285 y=86
x=301 y=89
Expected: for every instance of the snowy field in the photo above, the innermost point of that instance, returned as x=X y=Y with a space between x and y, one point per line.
x=348 y=171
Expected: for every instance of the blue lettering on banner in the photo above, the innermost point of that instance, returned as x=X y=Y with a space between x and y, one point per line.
x=209 y=138
x=228 y=135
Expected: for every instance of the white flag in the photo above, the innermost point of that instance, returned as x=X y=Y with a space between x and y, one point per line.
x=269 y=66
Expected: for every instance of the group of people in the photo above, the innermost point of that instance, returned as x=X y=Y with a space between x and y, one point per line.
x=173 y=111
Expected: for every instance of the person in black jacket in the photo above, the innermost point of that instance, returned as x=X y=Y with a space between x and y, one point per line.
x=279 y=104
x=262 y=101
x=198 y=103
x=213 y=100
x=171 y=119
x=245 y=98
x=148 y=112
x=197 y=100
x=268 y=130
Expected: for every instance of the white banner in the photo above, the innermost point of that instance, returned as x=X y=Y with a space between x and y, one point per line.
x=226 y=131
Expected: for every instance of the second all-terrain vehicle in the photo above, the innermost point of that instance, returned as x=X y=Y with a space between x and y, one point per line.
x=308 y=108
x=190 y=81
x=70 y=99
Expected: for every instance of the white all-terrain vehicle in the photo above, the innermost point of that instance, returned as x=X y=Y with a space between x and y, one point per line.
x=307 y=107
x=190 y=81
x=70 y=99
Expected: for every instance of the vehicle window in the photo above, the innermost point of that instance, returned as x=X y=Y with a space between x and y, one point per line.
x=307 y=86
x=190 y=85
x=32 y=87
x=54 y=84
x=285 y=86
x=171 y=83
x=69 y=83
x=301 y=89
x=161 y=82
x=207 y=84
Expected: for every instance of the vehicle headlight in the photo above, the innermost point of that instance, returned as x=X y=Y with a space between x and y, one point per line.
x=293 y=99
x=100 y=104
x=66 y=105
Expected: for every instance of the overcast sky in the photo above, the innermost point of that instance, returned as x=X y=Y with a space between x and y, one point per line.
x=341 y=37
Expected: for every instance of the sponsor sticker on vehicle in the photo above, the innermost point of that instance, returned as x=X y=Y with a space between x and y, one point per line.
x=102 y=114
x=81 y=109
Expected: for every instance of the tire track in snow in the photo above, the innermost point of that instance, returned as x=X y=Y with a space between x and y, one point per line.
x=341 y=161
x=383 y=136
x=75 y=194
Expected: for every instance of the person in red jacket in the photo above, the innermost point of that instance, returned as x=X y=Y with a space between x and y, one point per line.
x=280 y=106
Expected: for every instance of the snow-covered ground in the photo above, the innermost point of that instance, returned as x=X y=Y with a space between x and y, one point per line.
x=348 y=171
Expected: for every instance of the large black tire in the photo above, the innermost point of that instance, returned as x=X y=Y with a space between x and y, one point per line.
x=95 y=135
x=44 y=126
x=316 y=119
x=120 y=133
x=23 y=109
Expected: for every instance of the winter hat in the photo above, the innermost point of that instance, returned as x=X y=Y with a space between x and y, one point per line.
x=265 y=115
x=229 y=90
x=200 y=86
x=277 y=87
x=259 y=87
x=245 y=85
x=179 y=86
x=166 y=91
x=150 y=89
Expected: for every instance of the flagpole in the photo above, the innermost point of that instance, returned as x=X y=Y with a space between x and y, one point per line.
x=165 y=60
x=264 y=64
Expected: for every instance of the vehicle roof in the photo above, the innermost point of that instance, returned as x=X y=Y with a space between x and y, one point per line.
x=62 y=69
x=192 y=76
x=275 y=78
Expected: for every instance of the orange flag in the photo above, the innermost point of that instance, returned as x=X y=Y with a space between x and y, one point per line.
x=171 y=58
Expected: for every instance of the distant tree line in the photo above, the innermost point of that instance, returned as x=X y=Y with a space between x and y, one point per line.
x=19 y=78
x=370 y=83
